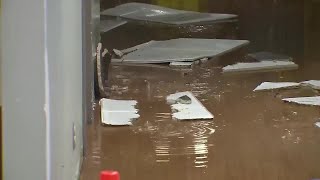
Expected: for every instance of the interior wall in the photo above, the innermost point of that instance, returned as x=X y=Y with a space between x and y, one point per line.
x=42 y=105
x=65 y=76
x=24 y=122
x=87 y=70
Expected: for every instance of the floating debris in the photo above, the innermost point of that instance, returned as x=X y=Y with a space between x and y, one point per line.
x=103 y=60
x=260 y=66
x=193 y=111
x=276 y=85
x=317 y=124
x=118 y=53
x=157 y=14
x=118 y=112
x=179 y=50
x=315 y=84
x=181 y=64
x=108 y=25
x=312 y=101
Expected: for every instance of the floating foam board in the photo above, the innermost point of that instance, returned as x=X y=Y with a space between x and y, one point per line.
x=193 y=111
x=179 y=50
x=118 y=112
x=157 y=14
x=317 y=124
x=315 y=84
x=276 y=85
x=260 y=66
x=108 y=25
x=312 y=101
x=135 y=48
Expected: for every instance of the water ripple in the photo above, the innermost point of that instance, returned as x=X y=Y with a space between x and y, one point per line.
x=190 y=141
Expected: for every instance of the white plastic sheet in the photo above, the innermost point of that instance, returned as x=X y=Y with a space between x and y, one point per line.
x=193 y=111
x=276 y=85
x=118 y=112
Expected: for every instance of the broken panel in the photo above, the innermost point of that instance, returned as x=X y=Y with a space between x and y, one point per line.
x=262 y=66
x=157 y=14
x=118 y=112
x=177 y=50
x=185 y=109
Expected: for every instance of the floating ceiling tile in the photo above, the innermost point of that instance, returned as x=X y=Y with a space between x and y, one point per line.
x=183 y=49
x=312 y=101
x=157 y=14
x=118 y=112
x=276 y=85
x=193 y=111
x=260 y=66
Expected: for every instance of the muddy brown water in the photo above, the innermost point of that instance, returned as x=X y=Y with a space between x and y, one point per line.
x=254 y=135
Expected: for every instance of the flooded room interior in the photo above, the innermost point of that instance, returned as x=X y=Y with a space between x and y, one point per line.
x=160 y=89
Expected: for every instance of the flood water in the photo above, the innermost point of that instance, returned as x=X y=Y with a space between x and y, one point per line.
x=254 y=135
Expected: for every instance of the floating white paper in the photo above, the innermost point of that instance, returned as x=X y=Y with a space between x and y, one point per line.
x=276 y=85
x=312 y=101
x=260 y=66
x=118 y=112
x=193 y=111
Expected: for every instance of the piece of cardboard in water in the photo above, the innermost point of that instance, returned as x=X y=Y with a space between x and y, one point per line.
x=311 y=101
x=118 y=112
x=179 y=50
x=193 y=111
x=262 y=66
x=276 y=85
